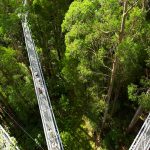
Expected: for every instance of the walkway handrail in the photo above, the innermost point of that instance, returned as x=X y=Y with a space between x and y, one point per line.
x=8 y=139
x=48 y=119
x=142 y=140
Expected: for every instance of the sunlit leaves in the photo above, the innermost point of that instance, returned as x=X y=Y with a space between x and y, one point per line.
x=140 y=94
x=16 y=82
x=132 y=90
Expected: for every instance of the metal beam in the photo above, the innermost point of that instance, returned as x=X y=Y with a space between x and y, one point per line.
x=7 y=141
x=49 y=123
x=142 y=140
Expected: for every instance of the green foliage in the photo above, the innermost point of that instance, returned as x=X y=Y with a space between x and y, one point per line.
x=140 y=94
x=132 y=92
x=77 y=67
x=75 y=141
x=144 y=100
x=16 y=84
x=9 y=20
x=17 y=91
x=92 y=31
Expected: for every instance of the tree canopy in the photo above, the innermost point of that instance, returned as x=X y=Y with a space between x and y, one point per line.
x=95 y=58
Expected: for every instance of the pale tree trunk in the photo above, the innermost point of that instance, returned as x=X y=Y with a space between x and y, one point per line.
x=115 y=100
x=144 y=4
x=96 y=140
x=114 y=66
x=135 y=118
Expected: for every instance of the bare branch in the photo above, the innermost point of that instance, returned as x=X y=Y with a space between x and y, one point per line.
x=134 y=4
x=98 y=73
x=107 y=67
x=105 y=32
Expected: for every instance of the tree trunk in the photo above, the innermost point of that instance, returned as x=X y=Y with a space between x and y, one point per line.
x=135 y=119
x=115 y=99
x=144 y=4
x=43 y=41
x=96 y=140
x=114 y=66
x=47 y=58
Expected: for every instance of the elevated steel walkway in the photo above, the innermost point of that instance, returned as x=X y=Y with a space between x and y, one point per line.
x=142 y=140
x=49 y=123
x=6 y=142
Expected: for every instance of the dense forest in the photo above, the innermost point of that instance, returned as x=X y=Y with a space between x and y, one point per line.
x=95 y=56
